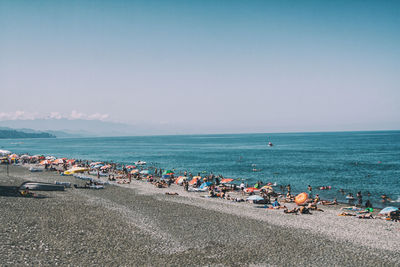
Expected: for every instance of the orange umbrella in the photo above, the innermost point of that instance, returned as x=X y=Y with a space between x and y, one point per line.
x=194 y=180
x=105 y=167
x=134 y=171
x=226 y=181
x=58 y=161
x=13 y=156
x=251 y=189
x=180 y=180
x=44 y=162
x=301 y=198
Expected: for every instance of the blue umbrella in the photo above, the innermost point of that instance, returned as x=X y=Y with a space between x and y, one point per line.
x=255 y=198
x=388 y=209
x=205 y=184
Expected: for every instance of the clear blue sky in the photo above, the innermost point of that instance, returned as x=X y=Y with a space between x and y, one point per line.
x=228 y=66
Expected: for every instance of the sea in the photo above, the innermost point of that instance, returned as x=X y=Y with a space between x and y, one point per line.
x=346 y=161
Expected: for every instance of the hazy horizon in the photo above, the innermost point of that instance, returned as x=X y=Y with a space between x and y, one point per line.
x=187 y=67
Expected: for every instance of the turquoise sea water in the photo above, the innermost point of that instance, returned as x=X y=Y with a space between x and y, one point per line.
x=353 y=161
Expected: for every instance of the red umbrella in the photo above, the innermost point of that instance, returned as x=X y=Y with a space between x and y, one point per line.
x=131 y=167
x=226 y=181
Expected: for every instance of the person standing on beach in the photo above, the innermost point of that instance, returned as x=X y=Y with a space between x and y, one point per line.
x=309 y=191
x=359 y=197
x=186 y=185
x=288 y=188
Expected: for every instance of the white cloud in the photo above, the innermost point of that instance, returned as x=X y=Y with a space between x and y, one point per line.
x=74 y=115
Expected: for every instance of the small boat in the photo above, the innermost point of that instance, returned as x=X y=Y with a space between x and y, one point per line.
x=38 y=186
x=140 y=162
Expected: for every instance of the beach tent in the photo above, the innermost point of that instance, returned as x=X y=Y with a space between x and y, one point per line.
x=388 y=210
x=226 y=181
x=205 y=184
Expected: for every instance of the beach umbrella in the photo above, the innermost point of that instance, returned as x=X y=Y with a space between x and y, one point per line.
x=167 y=172
x=58 y=161
x=194 y=180
x=70 y=161
x=226 y=181
x=145 y=172
x=50 y=158
x=251 y=189
x=13 y=156
x=96 y=163
x=205 y=184
x=301 y=198
x=134 y=171
x=131 y=167
x=97 y=166
x=388 y=210
x=44 y=162
x=255 y=198
x=180 y=179
x=25 y=157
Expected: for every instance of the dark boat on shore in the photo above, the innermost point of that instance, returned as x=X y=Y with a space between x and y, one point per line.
x=38 y=186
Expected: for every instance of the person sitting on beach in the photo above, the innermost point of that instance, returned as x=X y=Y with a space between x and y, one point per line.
x=211 y=193
x=276 y=204
x=316 y=199
x=289 y=198
x=325 y=202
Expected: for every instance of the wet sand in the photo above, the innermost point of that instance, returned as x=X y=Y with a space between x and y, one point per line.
x=138 y=224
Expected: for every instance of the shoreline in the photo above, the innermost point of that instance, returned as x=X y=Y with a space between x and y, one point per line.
x=139 y=202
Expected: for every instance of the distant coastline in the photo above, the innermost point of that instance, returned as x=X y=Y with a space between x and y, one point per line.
x=14 y=134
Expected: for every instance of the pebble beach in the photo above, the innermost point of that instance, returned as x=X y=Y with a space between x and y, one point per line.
x=137 y=224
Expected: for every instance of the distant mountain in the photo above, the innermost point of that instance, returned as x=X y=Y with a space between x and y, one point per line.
x=81 y=128
x=11 y=134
